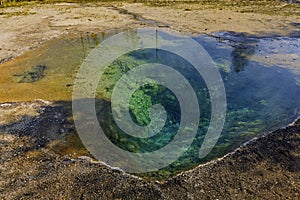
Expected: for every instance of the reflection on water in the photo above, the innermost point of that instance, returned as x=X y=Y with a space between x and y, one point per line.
x=259 y=98
x=240 y=56
x=261 y=77
x=47 y=72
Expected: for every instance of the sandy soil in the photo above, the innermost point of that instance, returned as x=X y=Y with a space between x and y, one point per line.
x=26 y=27
x=23 y=28
x=212 y=20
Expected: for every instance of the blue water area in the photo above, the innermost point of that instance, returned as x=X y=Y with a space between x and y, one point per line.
x=261 y=76
x=261 y=80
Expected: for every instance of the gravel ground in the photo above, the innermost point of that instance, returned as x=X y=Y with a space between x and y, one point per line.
x=264 y=168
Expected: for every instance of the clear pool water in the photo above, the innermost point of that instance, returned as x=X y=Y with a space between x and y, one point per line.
x=261 y=77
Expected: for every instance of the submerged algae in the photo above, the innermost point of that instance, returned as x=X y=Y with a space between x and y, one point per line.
x=260 y=97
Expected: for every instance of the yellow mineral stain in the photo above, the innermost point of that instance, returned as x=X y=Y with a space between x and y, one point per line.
x=62 y=58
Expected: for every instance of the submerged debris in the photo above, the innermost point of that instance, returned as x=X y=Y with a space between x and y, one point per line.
x=35 y=74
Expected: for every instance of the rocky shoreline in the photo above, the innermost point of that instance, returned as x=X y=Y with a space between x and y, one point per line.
x=264 y=168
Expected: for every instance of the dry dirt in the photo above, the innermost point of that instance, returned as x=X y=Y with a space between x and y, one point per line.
x=26 y=27
x=266 y=168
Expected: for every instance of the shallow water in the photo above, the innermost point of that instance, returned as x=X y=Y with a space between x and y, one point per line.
x=61 y=59
x=261 y=77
